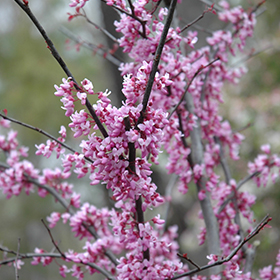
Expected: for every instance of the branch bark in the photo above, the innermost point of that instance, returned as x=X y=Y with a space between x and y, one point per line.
x=213 y=240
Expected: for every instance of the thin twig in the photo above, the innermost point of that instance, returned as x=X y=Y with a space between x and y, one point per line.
x=16 y=264
x=156 y=6
x=238 y=186
x=185 y=257
x=189 y=84
x=210 y=3
x=253 y=233
x=246 y=58
x=104 y=31
x=53 y=242
x=44 y=133
x=56 y=55
x=102 y=52
x=51 y=255
x=191 y=23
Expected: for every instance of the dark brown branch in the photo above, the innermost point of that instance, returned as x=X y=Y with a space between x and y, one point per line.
x=131 y=168
x=132 y=15
x=156 y=60
x=52 y=239
x=60 y=61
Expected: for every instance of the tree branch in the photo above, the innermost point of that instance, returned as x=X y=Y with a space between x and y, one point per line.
x=156 y=61
x=99 y=50
x=44 y=133
x=131 y=168
x=213 y=240
x=56 y=55
x=253 y=233
x=51 y=255
x=189 y=84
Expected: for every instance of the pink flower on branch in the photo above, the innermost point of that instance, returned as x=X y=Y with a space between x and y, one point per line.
x=182 y=110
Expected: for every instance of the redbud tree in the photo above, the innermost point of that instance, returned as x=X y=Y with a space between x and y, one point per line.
x=173 y=91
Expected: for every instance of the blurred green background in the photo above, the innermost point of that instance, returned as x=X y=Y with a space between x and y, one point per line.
x=27 y=77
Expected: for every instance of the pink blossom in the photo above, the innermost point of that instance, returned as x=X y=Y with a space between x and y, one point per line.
x=53 y=219
x=41 y=259
x=18 y=264
x=213 y=258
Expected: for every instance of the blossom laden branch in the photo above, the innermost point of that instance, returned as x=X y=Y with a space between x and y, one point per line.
x=132 y=15
x=156 y=60
x=201 y=68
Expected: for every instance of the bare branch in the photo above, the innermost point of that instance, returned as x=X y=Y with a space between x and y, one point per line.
x=104 y=31
x=99 y=50
x=51 y=255
x=44 y=133
x=53 y=242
